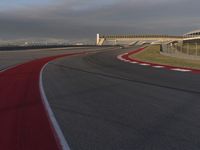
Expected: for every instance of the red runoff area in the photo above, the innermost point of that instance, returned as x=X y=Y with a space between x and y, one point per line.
x=24 y=121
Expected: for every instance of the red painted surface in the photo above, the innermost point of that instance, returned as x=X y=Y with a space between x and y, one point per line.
x=24 y=122
x=127 y=57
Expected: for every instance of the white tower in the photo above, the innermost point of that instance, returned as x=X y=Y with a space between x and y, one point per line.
x=98 y=38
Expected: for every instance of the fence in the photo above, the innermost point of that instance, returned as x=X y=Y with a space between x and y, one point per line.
x=186 y=50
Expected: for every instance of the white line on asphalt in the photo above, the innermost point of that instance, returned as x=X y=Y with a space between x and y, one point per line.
x=182 y=70
x=134 y=62
x=5 y=69
x=158 y=66
x=59 y=135
x=120 y=57
x=143 y=64
x=126 y=60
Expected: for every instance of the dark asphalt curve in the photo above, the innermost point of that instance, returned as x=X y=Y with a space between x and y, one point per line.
x=11 y=58
x=25 y=123
x=102 y=103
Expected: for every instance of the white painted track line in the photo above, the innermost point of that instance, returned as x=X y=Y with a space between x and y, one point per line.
x=158 y=66
x=144 y=64
x=134 y=62
x=182 y=70
x=126 y=60
x=58 y=133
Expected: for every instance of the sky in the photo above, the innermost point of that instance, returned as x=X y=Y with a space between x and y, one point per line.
x=79 y=20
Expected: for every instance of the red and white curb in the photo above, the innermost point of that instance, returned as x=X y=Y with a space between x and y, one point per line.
x=126 y=58
x=29 y=122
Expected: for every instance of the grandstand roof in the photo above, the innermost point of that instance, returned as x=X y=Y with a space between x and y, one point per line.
x=193 y=32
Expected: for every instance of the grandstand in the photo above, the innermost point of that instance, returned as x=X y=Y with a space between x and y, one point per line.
x=193 y=36
x=192 y=33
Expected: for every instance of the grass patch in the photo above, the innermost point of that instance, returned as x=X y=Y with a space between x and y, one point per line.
x=152 y=54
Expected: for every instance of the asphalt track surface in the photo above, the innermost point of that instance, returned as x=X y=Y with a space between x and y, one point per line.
x=25 y=122
x=101 y=102
x=23 y=114
x=12 y=58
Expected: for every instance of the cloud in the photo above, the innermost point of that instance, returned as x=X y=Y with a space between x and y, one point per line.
x=76 y=19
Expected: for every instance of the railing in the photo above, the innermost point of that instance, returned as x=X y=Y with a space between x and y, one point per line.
x=186 y=50
x=140 y=36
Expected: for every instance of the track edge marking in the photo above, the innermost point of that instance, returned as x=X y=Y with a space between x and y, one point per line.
x=58 y=132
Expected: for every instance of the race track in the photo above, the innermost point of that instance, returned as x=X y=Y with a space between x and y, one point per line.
x=101 y=102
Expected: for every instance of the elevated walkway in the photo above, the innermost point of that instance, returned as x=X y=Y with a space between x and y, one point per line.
x=130 y=39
